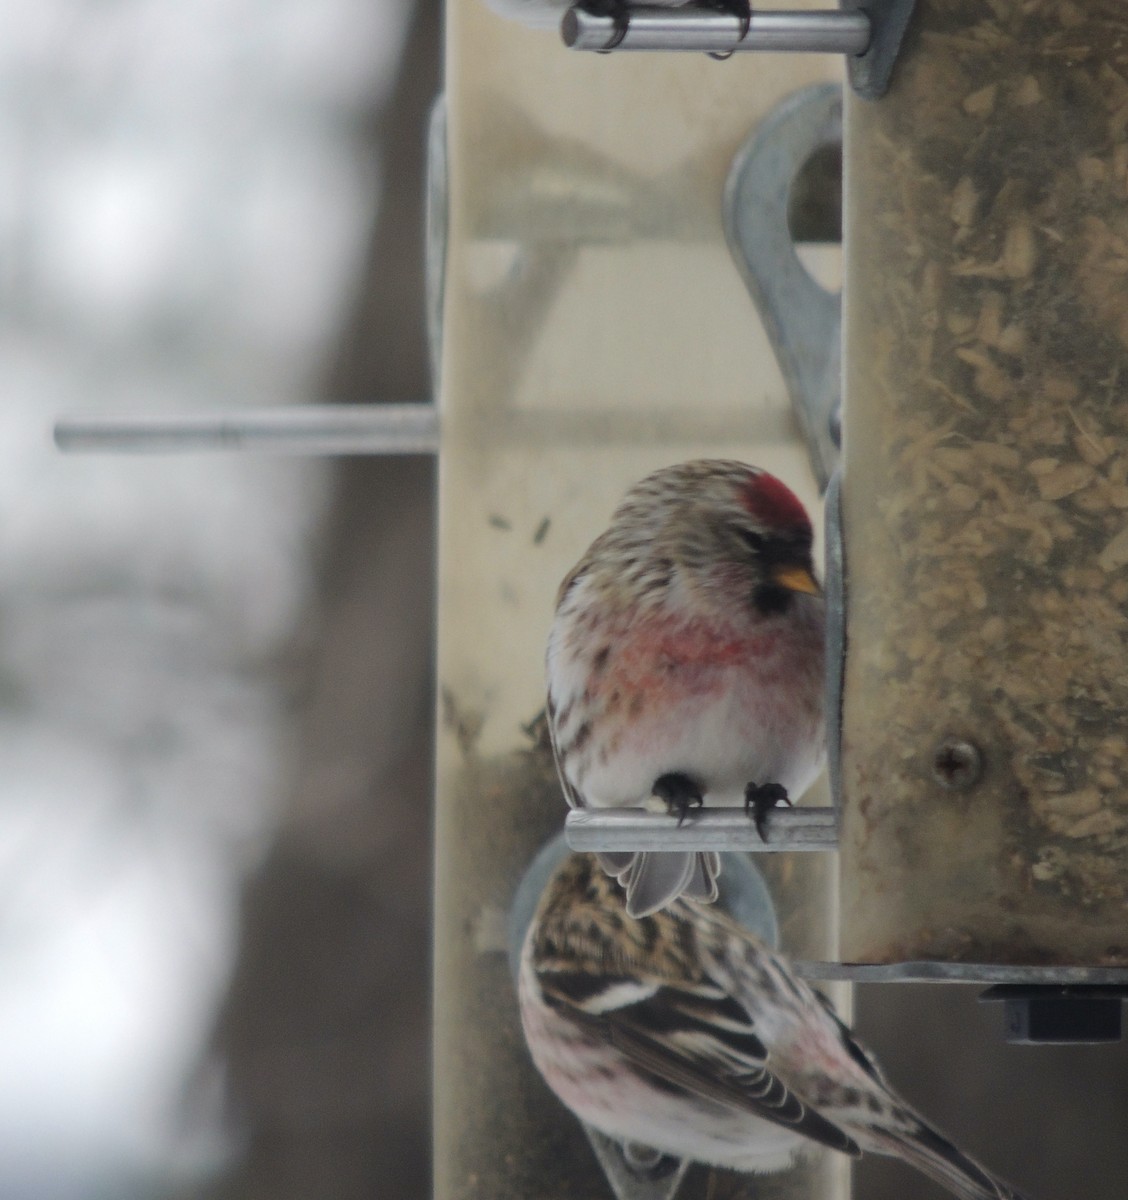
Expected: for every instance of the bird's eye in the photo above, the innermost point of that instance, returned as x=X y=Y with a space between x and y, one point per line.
x=752 y=540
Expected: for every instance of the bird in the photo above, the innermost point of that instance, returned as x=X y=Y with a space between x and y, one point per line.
x=684 y=1032
x=685 y=661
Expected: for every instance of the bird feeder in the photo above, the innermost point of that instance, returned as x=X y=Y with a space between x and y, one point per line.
x=985 y=498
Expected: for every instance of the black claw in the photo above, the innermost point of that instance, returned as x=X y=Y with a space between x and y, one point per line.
x=738 y=8
x=761 y=798
x=622 y=24
x=620 y=13
x=679 y=792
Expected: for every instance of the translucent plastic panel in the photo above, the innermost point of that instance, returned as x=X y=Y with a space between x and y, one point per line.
x=595 y=329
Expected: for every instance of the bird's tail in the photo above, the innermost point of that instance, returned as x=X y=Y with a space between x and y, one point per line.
x=655 y=879
x=930 y=1151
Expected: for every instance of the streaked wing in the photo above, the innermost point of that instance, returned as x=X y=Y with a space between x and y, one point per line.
x=857 y=1051
x=698 y=1039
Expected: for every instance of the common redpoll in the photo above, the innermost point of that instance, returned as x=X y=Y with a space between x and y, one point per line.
x=682 y=1031
x=685 y=661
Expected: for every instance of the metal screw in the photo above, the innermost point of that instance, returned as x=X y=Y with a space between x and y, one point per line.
x=956 y=764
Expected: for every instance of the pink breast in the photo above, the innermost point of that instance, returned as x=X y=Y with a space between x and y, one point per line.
x=695 y=656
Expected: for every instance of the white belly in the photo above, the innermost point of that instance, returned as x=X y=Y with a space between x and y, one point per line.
x=723 y=742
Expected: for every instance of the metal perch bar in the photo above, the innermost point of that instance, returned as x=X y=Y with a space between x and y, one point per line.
x=955 y=972
x=297 y=429
x=694 y=29
x=703 y=829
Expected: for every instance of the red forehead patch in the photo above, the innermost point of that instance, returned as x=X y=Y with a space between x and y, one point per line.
x=774 y=503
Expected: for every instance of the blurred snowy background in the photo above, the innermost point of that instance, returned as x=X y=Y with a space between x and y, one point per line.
x=215 y=673
x=206 y=204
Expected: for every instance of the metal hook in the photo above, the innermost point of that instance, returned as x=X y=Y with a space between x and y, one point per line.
x=802 y=319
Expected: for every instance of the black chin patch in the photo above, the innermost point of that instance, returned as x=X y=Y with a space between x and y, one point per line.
x=770 y=599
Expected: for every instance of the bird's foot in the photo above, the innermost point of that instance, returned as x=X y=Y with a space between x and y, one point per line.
x=679 y=792
x=620 y=13
x=742 y=10
x=760 y=799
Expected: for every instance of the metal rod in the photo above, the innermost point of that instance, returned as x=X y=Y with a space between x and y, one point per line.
x=696 y=29
x=296 y=429
x=958 y=972
x=703 y=829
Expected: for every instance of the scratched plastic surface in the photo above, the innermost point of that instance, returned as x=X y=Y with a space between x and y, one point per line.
x=986 y=491
x=595 y=329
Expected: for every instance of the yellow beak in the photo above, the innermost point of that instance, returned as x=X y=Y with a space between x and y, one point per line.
x=796 y=579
